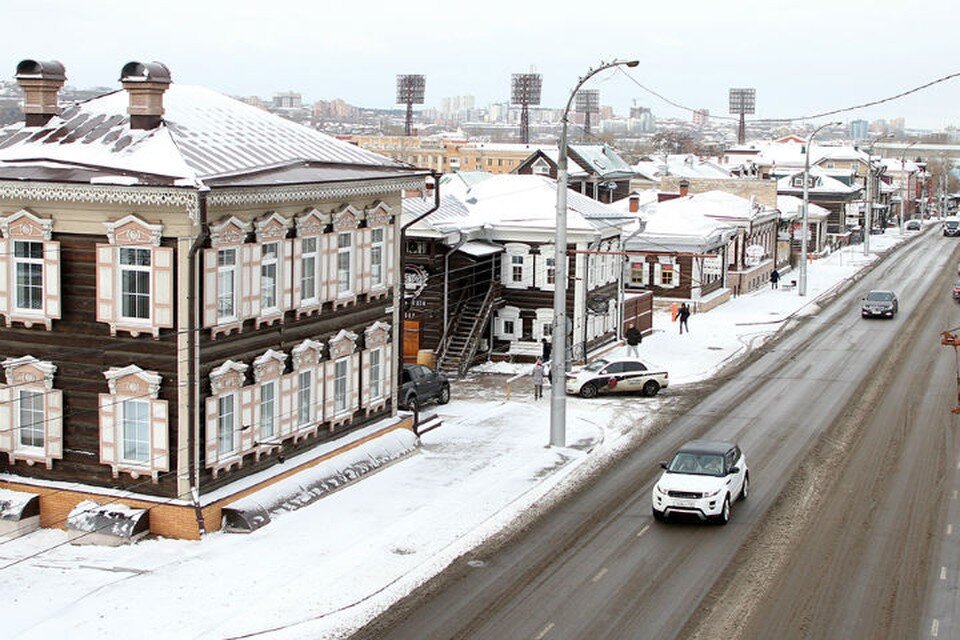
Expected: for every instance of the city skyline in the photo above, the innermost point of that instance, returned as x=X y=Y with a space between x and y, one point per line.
x=333 y=52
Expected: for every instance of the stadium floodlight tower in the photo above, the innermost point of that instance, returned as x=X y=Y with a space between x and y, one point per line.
x=410 y=89
x=742 y=102
x=588 y=101
x=525 y=91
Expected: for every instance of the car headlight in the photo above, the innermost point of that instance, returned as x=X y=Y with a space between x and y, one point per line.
x=710 y=495
x=659 y=490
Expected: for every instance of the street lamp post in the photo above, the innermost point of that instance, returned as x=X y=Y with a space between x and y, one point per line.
x=558 y=368
x=806 y=205
x=870 y=196
x=905 y=182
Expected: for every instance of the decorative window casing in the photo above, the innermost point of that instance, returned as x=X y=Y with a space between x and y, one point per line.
x=509 y=326
x=308 y=388
x=272 y=285
x=31 y=412
x=547 y=268
x=377 y=251
x=376 y=368
x=310 y=263
x=135 y=286
x=543 y=324
x=341 y=392
x=517 y=266
x=639 y=272
x=273 y=402
x=229 y=266
x=230 y=425
x=666 y=272
x=342 y=250
x=29 y=270
x=134 y=434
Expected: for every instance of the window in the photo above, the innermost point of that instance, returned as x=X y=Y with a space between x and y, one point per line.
x=508 y=327
x=376 y=257
x=340 y=386
x=134 y=283
x=375 y=374
x=268 y=405
x=308 y=270
x=28 y=258
x=417 y=247
x=136 y=430
x=638 y=273
x=304 y=397
x=546 y=329
x=226 y=284
x=31 y=418
x=344 y=263
x=551 y=270
x=516 y=268
x=225 y=441
x=666 y=275
x=268 y=276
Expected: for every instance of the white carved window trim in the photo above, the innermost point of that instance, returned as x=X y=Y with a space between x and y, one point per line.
x=343 y=348
x=346 y=220
x=24 y=226
x=543 y=324
x=517 y=259
x=29 y=374
x=122 y=268
x=271 y=231
x=346 y=272
x=377 y=345
x=270 y=259
x=229 y=233
x=509 y=314
x=27 y=261
x=268 y=371
x=229 y=379
x=378 y=256
x=133 y=383
x=231 y=269
x=310 y=225
x=310 y=255
x=307 y=360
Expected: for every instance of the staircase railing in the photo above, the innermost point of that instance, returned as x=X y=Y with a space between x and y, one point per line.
x=448 y=332
x=473 y=338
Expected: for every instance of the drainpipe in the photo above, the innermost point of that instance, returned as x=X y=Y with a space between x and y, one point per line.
x=194 y=349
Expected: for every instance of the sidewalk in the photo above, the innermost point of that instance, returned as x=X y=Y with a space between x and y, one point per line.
x=322 y=571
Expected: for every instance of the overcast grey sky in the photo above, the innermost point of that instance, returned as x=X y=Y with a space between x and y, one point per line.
x=802 y=56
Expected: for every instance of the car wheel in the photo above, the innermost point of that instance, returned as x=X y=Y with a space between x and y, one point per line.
x=444 y=396
x=588 y=390
x=659 y=516
x=651 y=388
x=724 y=516
x=745 y=489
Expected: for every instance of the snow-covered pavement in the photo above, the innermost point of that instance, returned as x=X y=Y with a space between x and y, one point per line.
x=324 y=570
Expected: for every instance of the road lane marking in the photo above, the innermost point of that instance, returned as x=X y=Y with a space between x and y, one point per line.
x=546 y=630
x=949 y=529
x=954 y=494
x=600 y=574
x=943 y=573
x=646 y=528
x=935 y=628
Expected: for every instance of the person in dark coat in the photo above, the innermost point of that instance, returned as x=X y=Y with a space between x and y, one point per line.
x=684 y=315
x=547 y=348
x=634 y=338
x=774 y=279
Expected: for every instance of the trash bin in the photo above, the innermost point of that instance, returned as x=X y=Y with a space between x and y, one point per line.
x=427 y=357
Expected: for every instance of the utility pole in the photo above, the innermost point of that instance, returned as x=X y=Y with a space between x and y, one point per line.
x=868 y=212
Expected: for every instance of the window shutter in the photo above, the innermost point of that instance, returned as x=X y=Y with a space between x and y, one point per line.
x=251 y=280
x=676 y=275
x=51 y=280
x=297 y=271
x=285 y=273
x=7 y=432
x=210 y=288
x=388 y=366
x=657 y=275
x=506 y=271
x=388 y=239
x=213 y=455
x=106 y=276
x=247 y=427
x=645 y=271
x=108 y=431
x=318 y=394
x=328 y=395
x=323 y=268
x=53 y=433
x=354 y=382
x=159 y=437
x=332 y=284
x=365 y=380
x=287 y=417
x=528 y=270
x=365 y=262
x=162 y=298
x=6 y=282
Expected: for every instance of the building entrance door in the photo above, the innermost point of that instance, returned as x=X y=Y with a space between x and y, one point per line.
x=411 y=341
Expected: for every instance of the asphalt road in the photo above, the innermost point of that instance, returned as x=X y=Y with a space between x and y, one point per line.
x=803 y=409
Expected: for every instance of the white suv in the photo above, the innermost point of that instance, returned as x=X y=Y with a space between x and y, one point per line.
x=703 y=478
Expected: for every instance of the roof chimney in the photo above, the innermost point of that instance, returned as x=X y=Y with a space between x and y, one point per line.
x=145 y=83
x=41 y=82
x=684 y=187
x=634 y=203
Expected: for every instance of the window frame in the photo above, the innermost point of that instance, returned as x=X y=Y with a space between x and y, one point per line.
x=349 y=271
x=29 y=261
x=37 y=395
x=345 y=363
x=272 y=385
x=376 y=360
x=233 y=397
x=308 y=388
x=232 y=270
x=314 y=256
x=378 y=249
x=270 y=261
x=134 y=268
x=123 y=406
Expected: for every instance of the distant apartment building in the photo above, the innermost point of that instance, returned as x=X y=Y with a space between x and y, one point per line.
x=287 y=100
x=419 y=152
x=859 y=129
x=453 y=105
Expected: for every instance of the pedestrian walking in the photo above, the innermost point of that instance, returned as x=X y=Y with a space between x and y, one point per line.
x=774 y=279
x=634 y=338
x=537 y=375
x=684 y=315
x=547 y=348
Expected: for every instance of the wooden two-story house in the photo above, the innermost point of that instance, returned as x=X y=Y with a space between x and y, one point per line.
x=192 y=291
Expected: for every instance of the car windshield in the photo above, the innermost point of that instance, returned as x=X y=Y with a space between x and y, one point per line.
x=952 y=223
x=596 y=365
x=879 y=296
x=699 y=464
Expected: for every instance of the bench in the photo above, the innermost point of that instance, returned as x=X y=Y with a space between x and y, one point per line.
x=525 y=349
x=789 y=286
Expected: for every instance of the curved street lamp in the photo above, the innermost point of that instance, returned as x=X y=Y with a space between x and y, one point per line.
x=806 y=205
x=558 y=363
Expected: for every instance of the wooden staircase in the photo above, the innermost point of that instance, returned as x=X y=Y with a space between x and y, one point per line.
x=460 y=344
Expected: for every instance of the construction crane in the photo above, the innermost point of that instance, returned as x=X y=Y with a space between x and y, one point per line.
x=951 y=339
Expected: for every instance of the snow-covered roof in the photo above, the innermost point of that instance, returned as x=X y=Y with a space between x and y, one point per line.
x=203 y=135
x=900 y=166
x=676 y=225
x=791 y=207
x=452 y=214
x=718 y=205
x=681 y=165
x=824 y=184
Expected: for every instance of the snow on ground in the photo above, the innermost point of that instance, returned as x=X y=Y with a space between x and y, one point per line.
x=321 y=571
